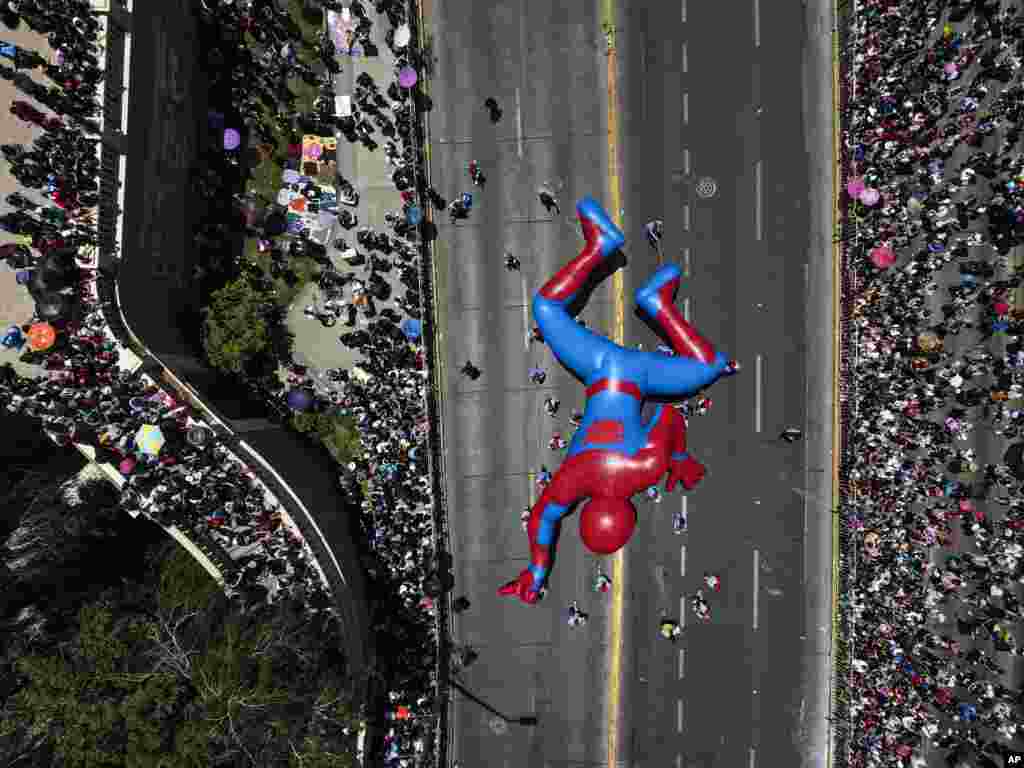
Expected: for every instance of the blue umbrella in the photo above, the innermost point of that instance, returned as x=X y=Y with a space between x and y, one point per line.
x=412 y=328
x=414 y=215
x=300 y=399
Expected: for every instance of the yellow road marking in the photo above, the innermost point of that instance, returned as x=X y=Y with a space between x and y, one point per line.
x=618 y=335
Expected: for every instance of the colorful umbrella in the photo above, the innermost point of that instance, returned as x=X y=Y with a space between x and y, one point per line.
x=41 y=336
x=855 y=186
x=231 y=139
x=314 y=151
x=870 y=196
x=882 y=257
x=407 y=77
x=126 y=466
x=149 y=439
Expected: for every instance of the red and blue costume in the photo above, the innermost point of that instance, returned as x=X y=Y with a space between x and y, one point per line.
x=614 y=453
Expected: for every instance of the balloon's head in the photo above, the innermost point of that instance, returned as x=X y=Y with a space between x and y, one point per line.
x=606 y=524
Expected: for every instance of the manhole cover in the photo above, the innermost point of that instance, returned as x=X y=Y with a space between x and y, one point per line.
x=706 y=187
x=498 y=726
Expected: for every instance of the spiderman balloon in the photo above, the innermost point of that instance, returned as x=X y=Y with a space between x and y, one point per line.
x=614 y=453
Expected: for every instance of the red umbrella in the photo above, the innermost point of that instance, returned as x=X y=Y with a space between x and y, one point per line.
x=882 y=256
x=1002 y=308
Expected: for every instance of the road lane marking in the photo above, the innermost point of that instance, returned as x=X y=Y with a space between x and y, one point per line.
x=682 y=611
x=682 y=560
x=758 y=213
x=686 y=317
x=753 y=758
x=757 y=23
x=758 y=375
x=684 y=12
x=686 y=59
x=618 y=575
x=686 y=268
x=686 y=162
x=757 y=582
x=679 y=761
x=679 y=715
x=686 y=108
x=686 y=217
x=519 y=126
x=526 y=316
x=682 y=663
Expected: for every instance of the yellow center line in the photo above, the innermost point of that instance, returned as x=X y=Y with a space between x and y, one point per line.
x=618 y=335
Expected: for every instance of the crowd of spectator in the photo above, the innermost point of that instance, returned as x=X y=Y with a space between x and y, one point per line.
x=932 y=149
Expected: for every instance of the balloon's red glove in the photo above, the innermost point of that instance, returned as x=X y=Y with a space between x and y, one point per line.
x=688 y=471
x=523 y=587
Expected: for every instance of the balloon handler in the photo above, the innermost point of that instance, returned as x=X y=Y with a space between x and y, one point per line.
x=614 y=453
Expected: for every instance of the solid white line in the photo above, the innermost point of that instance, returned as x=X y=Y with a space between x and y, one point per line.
x=686 y=108
x=686 y=317
x=758 y=376
x=679 y=715
x=686 y=59
x=758 y=214
x=682 y=560
x=686 y=162
x=684 y=11
x=526 y=317
x=682 y=663
x=757 y=23
x=757 y=582
x=519 y=126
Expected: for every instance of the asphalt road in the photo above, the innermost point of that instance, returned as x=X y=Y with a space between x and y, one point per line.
x=728 y=693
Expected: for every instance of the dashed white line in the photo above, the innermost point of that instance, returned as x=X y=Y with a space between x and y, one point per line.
x=686 y=59
x=753 y=758
x=682 y=611
x=758 y=376
x=684 y=12
x=686 y=108
x=757 y=23
x=757 y=580
x=758 y=214
x=526 y=317
x=686 y=217
x=682 y=560
x=686 y=317
x=679 y=761
x=682 y=663
x=686 y=162
x=519 y=126
x=679 y=715
x=686 y=269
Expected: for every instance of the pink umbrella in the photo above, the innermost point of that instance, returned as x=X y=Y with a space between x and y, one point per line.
x=127 y=465
x=870 y=196
x=855 y=186
x=407 y=77
x=951 y=68
x=882 y=257
x=314 y=151
x=231 y=139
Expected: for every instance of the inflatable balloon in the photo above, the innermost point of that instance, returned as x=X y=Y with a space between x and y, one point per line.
x=614 y=453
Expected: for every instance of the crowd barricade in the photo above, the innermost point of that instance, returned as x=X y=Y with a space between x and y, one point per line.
x=845 y=569
x=432 y=394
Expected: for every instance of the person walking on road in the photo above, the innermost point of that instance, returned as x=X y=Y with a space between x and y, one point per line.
x=791 y=434
x=549 y=201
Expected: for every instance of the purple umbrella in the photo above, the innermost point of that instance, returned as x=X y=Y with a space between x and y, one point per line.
x=315 y=150
x=407 y=77
x=231 y=139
